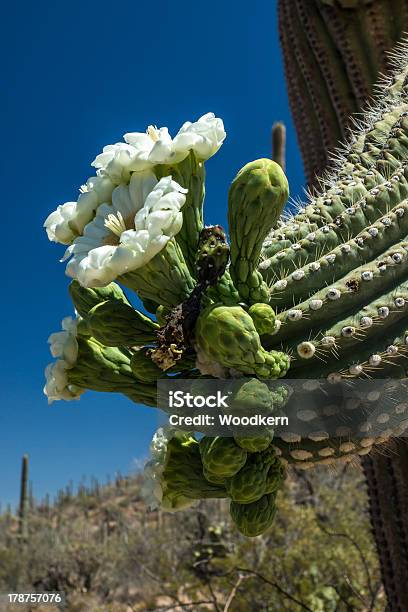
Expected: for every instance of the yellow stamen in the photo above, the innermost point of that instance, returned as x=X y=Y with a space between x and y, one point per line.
x=153 y=132
x=116 y=224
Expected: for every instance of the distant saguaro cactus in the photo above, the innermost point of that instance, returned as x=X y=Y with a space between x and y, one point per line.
x=24 y=501
x=279 y=144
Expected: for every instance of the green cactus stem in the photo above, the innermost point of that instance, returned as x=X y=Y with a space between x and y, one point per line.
x=108 y=369
x=164 y=280
x=84 y=299
x=190 y=174
x=114 y=323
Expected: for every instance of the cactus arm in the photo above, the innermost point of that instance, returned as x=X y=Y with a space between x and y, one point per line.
x=23 y=507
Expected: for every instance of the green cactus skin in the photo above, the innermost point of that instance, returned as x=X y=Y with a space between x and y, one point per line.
x=367 y=325
x=221 y=457
x=348 y=293
x=114 y=323
x=228 y=335
x=254 y=444
x=366 y=194
x=263 y=317
x=85 y=299
x=143 y=367
x=107 y=369
x=256 y=199
x=334 y=51
x=224 y=291
x=251 y=482
x=164 y=280
x=190 y=174
x=372 y=241
x=255 y=518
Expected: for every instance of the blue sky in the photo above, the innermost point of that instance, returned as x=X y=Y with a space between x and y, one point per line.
x=77 y=75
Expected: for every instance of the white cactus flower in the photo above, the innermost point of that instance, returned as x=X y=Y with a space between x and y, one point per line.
x=126 y=234
x=204 y=137
x=63 y=344
x=57 y=386
x=57 y=224
x=68 y=221
x=142 y=151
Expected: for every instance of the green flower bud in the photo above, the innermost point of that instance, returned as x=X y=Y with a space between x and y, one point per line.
x=250 y=483
x=263 y=317
x=117 y=324
x=255 y=518
x=102 y=368
x=221 y=456
x=228 y=336
x=256 y=199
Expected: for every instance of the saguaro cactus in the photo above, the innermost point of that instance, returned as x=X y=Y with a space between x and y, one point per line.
x=24 y=500
x=360 y=35
x=300 y=299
